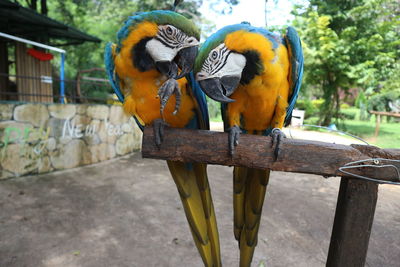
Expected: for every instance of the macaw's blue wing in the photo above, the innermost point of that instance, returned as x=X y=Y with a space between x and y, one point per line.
x=296 y=59
x=202 y=119
x=109 y=56
x=110 y=69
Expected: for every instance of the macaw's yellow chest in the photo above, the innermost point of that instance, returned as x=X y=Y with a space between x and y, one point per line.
x=259 y=105
x=143 y=102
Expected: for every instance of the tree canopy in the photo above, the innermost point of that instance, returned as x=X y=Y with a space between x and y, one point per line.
x=349 y=44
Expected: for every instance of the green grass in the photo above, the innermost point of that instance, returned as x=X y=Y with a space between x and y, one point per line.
x=389 y=132
x=216 y=119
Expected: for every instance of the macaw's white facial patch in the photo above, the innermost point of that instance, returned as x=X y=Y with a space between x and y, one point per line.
x=168 y=42
x=159 y=52
x=222 y=62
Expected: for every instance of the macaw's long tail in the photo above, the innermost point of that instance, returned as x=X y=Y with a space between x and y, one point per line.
x=192 y=182
x=249 y=187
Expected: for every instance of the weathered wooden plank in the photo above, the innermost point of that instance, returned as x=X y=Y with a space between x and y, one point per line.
x=378 y=123
x=384 y=113
x=301 y=156
x=353 y=222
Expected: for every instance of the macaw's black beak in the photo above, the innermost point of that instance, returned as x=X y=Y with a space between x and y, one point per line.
x=185 y=60
x=220 y=88
x=168 y=68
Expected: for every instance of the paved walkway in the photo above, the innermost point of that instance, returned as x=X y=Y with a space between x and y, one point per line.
x=127 y=212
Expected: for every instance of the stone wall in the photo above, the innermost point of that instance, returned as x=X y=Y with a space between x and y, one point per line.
x=39 y=138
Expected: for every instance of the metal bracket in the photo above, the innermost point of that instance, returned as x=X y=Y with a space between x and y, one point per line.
x=373 y=163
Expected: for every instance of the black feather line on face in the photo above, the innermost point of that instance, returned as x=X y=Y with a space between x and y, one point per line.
x=253 y=66
x=141 y=59
x=164 y=42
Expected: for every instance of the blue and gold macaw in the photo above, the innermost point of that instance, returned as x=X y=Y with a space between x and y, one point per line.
x=256 y=75
x=152 y=61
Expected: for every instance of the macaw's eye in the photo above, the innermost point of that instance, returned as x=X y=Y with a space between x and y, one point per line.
x=169 y=30
x=214 y=55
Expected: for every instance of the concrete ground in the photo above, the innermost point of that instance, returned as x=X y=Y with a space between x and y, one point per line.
x=126 y=212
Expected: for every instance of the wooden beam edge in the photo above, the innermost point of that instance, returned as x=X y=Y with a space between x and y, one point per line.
x=301 y=156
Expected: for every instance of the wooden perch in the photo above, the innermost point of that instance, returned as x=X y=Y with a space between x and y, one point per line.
x=302 y=156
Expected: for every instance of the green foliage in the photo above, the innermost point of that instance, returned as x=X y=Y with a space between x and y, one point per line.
x=360 y=100
x=344 y=106
x=214 y=108
x=318 y=103
x=311 y=107
x=349 y=113
x=380 y=102
x=348 y=44
x=307 y=106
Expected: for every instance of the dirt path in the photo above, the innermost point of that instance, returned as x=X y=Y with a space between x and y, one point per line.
x=127 y=212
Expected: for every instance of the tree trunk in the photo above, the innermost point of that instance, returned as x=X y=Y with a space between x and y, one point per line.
x=33 y=5
x=43 y=7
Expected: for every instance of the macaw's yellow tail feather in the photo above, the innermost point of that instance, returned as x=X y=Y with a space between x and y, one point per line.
x=192 y=183
x=249 y=187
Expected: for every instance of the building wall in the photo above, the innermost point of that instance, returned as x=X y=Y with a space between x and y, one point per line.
x=34 y=82
x=39 y=138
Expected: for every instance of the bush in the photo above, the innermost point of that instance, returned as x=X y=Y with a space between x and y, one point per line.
x=307 y=106
x=360 y=100
x=344 y=106
x=380 y=102
x=349 y=113
x=214 y=108
x=318 y=103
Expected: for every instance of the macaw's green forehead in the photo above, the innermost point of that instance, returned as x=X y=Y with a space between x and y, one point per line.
x=160 y=17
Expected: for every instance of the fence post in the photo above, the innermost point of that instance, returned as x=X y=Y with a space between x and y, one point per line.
x=353 y=222
x=62 y=79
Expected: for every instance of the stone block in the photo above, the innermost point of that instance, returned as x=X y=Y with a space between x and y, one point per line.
x=117 y=115
x=19 y=159
x=68 y=156
x=111 y=151
x=44 y=165
x=6 y=111
x=51 y=144
x=99 y=112
x=124 y=144
x=81 y=109
x=92 y=139
x=62 y=111
x=56 y=127
x=81 y=119
x=5 y=174
x=36 y=114
x=12 y=131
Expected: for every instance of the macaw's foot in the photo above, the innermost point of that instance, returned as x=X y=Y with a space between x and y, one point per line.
x=158 y=128
x=169 y=88
x=277 y=136
x=233 y=138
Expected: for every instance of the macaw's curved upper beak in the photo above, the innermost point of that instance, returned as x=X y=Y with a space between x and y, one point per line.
x=220 y=88
x=185 y=60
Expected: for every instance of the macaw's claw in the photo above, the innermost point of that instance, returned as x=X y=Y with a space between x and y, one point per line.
x=277 y=136
x=169 y=88
x=158 y=128
x=233 y=138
